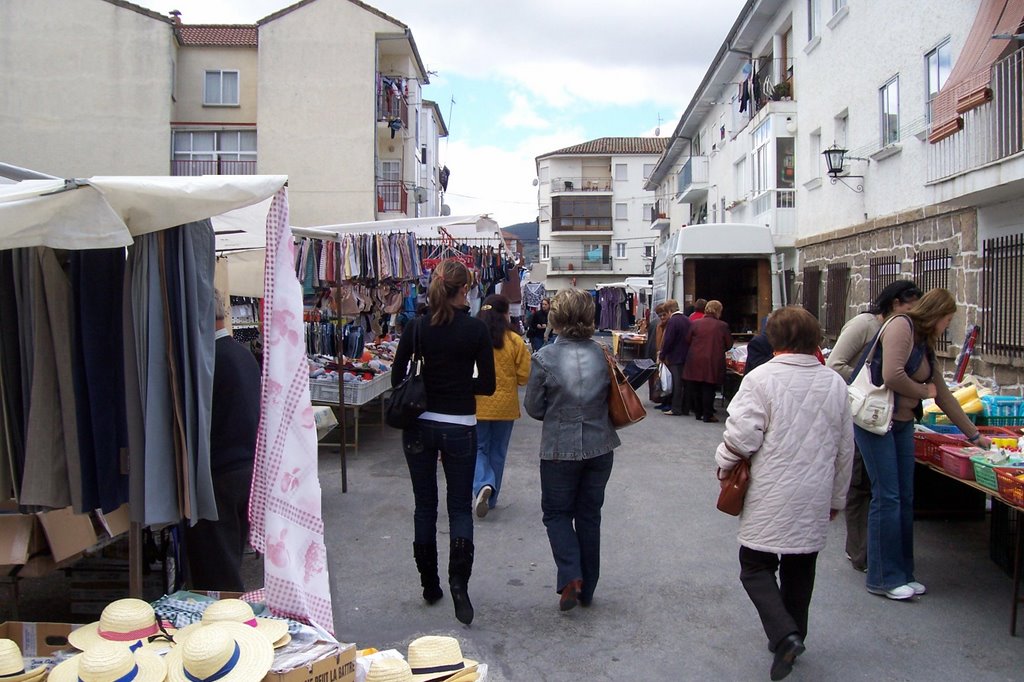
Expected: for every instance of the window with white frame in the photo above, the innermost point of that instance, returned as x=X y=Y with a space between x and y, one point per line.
x=391 y=171
x=740 y=181
x=648 y=170
x=889 y=105
x=545 y=251
x=648 y=212
x=814 y=151
x=207 y=152
x=813 y=19
x=621 y=212
x=760 y=160
x=648 y=250
x=841 y=124
x=620 y=249
x=543 y=178
x=221 y=88
x=838 y=5
x=621 y=171
x=937 y=64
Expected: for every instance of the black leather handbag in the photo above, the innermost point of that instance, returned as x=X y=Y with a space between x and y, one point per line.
x=408 y=400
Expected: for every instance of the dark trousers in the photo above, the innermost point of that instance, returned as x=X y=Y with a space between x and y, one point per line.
x=679 y=392
x=215 y=548
x=536 y=342
x=456 y=445
x=703 y=399
x=858 y=501
x=782 y=604
x=571 y=497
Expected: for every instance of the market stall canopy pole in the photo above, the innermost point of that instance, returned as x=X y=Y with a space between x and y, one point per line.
x=464 y=226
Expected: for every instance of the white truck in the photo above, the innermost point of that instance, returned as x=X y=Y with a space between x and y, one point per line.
x=728 y=262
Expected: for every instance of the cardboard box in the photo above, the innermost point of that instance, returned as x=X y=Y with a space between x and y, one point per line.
x=37 y=639
x=67 y=533
x=21 y=536
x=338 y=667
x=116 y=522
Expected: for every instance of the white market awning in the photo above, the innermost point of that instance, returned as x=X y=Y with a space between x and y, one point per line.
x=724 y=240
x=464 y=226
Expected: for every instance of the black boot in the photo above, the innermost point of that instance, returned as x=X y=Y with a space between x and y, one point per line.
x=426 y=564
x=460 y=565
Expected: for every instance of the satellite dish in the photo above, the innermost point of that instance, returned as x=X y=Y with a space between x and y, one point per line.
x=446 y=209
x=535 y=182
x=657 y=132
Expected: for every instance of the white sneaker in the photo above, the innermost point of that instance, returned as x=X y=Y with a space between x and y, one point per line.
x=917 y=587
x=899 y=593
x=482 y=498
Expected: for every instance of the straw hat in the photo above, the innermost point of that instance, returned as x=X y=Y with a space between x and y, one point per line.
x=389 y=670
x=12 y=665
x=111 y=662
x=437 y=658
x=228 y=652
x=238 y=611
x=125 y=620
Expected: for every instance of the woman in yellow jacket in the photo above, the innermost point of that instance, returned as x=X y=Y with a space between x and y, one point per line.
x=496 y=413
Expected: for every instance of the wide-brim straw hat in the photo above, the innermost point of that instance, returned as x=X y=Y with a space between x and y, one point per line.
x=389 y=670
x=12 y=665
x=127 y=621
x=110 y=662
x=231 y=652
x=435 y=657
x=238 y=611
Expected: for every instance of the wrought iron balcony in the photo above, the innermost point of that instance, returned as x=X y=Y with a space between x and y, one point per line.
x=559 y=185
x=392 y=197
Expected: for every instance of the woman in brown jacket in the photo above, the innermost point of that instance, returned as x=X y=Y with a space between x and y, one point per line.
x=705 y=363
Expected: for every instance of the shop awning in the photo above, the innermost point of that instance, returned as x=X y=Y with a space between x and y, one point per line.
x=968 y=84
x=724 y=240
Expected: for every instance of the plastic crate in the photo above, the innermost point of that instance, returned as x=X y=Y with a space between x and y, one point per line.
x=323 y=391
x=1011 y=488
x=940 y=419
x=928 y=444
x=984 y=472
x=1013 y=422
x=1003 y=406
x=956 y=460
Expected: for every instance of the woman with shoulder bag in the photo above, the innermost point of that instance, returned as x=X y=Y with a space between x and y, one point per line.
x=452 y=345
x=797 y=483
x=568 y=390
x=854 y=340
x=908 y=369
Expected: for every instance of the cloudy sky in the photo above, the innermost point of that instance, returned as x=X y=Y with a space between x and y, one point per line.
x=531 y=76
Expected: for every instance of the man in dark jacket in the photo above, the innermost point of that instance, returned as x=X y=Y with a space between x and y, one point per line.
x=674 y=348
x=214 y=548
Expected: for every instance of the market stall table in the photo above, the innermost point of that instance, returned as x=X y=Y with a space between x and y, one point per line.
x=627 y=341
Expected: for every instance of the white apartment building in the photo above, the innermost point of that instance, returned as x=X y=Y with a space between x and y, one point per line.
x=594 y=212
x=327 y=92
x=928 y=106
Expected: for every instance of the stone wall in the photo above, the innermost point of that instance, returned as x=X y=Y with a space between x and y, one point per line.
x=904 y=235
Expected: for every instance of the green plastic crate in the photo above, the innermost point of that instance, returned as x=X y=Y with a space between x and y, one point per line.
x=985 y=473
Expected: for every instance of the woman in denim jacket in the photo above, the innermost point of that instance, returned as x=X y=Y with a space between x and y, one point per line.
x=568 y=390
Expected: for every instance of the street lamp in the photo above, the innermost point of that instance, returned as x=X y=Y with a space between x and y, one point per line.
x=835 y=157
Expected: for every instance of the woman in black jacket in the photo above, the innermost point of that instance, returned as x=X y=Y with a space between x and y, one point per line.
x=452 y=344
x=538 y=325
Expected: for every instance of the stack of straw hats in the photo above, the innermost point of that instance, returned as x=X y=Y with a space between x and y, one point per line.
x=111 y=662
x=126 y=621
x=12 y=665
x=238 y=611
x=434 y=658
x=224 y=651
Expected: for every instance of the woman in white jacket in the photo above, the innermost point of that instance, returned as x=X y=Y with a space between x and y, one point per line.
x=791 y=419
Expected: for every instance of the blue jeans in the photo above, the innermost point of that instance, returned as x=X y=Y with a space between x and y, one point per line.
x=889 y=460
x=536 y=342
x=456 y=445
x=571 y=497
x=492 y=439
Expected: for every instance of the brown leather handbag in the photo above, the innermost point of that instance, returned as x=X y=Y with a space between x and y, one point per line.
x=730 y=499
x=624 y=406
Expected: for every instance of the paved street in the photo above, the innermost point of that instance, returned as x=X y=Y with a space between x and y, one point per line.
x=669 y=605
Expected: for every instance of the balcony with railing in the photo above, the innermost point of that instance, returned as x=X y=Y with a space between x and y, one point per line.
x=392 y=197
x=392 y=106
x=776 y=208
x=213 y=167
x=991 y=132
x=592 y=260
x=563 y=184
x=659 y=215
x=693 y=180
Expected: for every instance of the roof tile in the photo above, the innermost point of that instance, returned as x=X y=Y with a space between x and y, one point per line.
x=615 y=145
x=229 y=35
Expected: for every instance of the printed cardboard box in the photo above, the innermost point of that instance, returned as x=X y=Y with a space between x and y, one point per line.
x=37 y=639
x=337 y=667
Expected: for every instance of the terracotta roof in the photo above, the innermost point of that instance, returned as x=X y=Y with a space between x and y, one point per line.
x=615 y=145
x=225 y=35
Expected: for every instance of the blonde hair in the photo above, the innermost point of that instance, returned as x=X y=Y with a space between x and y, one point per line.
x=714 y=309
x=572 y=314
x=927 y=313
x=671 y=305
x=449 y=277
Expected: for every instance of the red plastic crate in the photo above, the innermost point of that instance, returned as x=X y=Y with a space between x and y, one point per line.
x=956 y=460
x=926 y=446
x=1011 y=488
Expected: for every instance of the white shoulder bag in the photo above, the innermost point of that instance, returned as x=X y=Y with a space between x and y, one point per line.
x=870 y=405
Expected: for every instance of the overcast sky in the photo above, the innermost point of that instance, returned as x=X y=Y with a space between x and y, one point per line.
x=530 y=76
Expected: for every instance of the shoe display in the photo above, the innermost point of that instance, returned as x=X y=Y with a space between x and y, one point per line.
x=785 y=653
x=570 y=595
x=482 y=498
x=898 y=593
x=917 y=587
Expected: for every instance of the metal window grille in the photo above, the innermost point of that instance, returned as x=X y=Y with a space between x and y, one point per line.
x=881 y=273
x=812 y=290
x=1002 y=330
x=837 y=287
x=931 y=271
